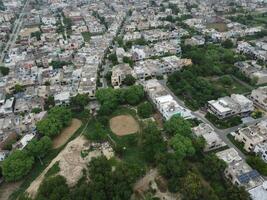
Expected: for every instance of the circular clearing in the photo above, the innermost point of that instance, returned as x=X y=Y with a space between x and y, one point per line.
x=124 y=125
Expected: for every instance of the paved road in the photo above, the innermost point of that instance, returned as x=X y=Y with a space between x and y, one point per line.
x=15 y=31
x=221 y=132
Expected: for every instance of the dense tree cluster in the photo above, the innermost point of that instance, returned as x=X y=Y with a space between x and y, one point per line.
x=189 y=171
x=4 y=70
x=152 y=142
x=110 y=99
x=57 y=119
x=79 y=102
x=17 y=165
x=106 y=182
x=20 y=162
x=191 y=83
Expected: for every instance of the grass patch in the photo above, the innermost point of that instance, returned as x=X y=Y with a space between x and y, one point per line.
x=223 y=123
x=53 y=170
x=221 y=27
x=86 y=36
x=233 y=87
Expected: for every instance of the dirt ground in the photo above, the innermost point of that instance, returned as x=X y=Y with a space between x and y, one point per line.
x=147 y=182
x=124 y=125
x=66 y=133
x=7 y=189
x=70 y=162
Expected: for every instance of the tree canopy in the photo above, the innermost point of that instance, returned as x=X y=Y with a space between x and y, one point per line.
x=57 y=119
x=17 y=165
x=145 y=110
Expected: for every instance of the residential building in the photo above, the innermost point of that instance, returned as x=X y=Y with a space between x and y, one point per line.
x=259 y=97
x=229 y=106
x=252 y=135
x=164 y=102
x=119 y=73
x=213 y=141
x=238 y=171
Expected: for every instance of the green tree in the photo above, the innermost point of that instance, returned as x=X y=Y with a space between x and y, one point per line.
x=108 y=100
x=128 y=60
x=79 y=102
x=39 y=148
x=213 y=167
x=129 y=80
x=182 y=146
x=257 y=163
x=113 y=58
x=49 y=126
x=152 y=142
x=4 y=70
x=237 y=193
x=61 y=113
x=172 y=168
x=53 y=188
x=145 y=110
x=178 y=125
x=18 y=88
x=100 y=172
x=134 y=94
x=49 y=102
x=192 y=188
x=226 y=80
x=228 y=44
x=37 y=34
x=96 y=131
x=17 y=165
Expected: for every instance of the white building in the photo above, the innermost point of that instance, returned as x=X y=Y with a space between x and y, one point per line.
x=164 y=102
x=260 y=192
x=229 y=106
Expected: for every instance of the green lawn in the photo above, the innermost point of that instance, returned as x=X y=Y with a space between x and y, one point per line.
x=221 y=27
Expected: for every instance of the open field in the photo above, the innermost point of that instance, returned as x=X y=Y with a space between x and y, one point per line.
x=66 y=133
x=70 y=162
x=124 y=125
x=221 y=27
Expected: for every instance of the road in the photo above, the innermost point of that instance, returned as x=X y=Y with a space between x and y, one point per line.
x=15 y=31
x=221 y=132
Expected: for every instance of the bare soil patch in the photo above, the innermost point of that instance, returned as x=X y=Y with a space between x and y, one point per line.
x=124 y=125
x=70 y=162
x=65 y=135
x=7 y=189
